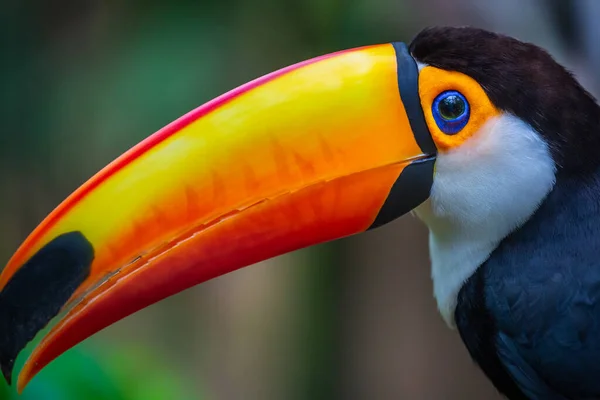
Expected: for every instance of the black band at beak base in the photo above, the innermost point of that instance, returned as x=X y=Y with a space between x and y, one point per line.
x=408 y=85
x=414 y=183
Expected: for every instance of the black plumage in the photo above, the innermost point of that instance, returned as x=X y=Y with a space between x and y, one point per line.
x=530 y=315
x=524 y=80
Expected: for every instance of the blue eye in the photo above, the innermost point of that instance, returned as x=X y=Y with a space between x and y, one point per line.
x=451 y=112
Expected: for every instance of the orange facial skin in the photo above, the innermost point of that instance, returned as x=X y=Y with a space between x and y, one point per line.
x=303 y=156
x=432 y=82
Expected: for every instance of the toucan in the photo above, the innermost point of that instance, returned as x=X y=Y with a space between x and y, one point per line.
x=487 y=139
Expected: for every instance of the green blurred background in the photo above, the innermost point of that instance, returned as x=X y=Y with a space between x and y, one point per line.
x=82 y=81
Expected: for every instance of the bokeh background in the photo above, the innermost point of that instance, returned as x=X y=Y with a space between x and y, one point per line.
x=82 y=81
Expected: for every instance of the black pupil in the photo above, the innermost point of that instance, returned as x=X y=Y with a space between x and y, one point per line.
x=451 y=107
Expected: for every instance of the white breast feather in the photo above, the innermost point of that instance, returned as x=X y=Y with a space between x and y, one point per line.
x=481 y=192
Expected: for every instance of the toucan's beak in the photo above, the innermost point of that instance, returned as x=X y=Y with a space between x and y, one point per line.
x=317 y=151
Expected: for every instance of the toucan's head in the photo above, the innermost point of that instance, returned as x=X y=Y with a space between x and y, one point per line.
x=468 y=128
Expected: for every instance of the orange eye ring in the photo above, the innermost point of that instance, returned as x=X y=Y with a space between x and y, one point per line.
x=433 y=84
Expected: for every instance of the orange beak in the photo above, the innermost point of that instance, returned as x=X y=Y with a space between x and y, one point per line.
x=317 y=151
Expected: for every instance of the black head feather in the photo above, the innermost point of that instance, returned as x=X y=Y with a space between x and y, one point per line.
x=524 y=80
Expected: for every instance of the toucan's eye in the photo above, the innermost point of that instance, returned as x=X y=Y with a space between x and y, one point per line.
x=451 y=112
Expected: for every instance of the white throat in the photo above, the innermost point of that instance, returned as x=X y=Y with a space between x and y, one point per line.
x=482 y=191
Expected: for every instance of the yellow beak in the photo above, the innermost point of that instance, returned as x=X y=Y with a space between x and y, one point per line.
x=317 y=151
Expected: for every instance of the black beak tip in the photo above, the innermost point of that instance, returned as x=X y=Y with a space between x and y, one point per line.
x=37 y=292
x=7 y=367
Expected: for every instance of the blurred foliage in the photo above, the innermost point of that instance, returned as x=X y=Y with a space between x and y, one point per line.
x=112 y=373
